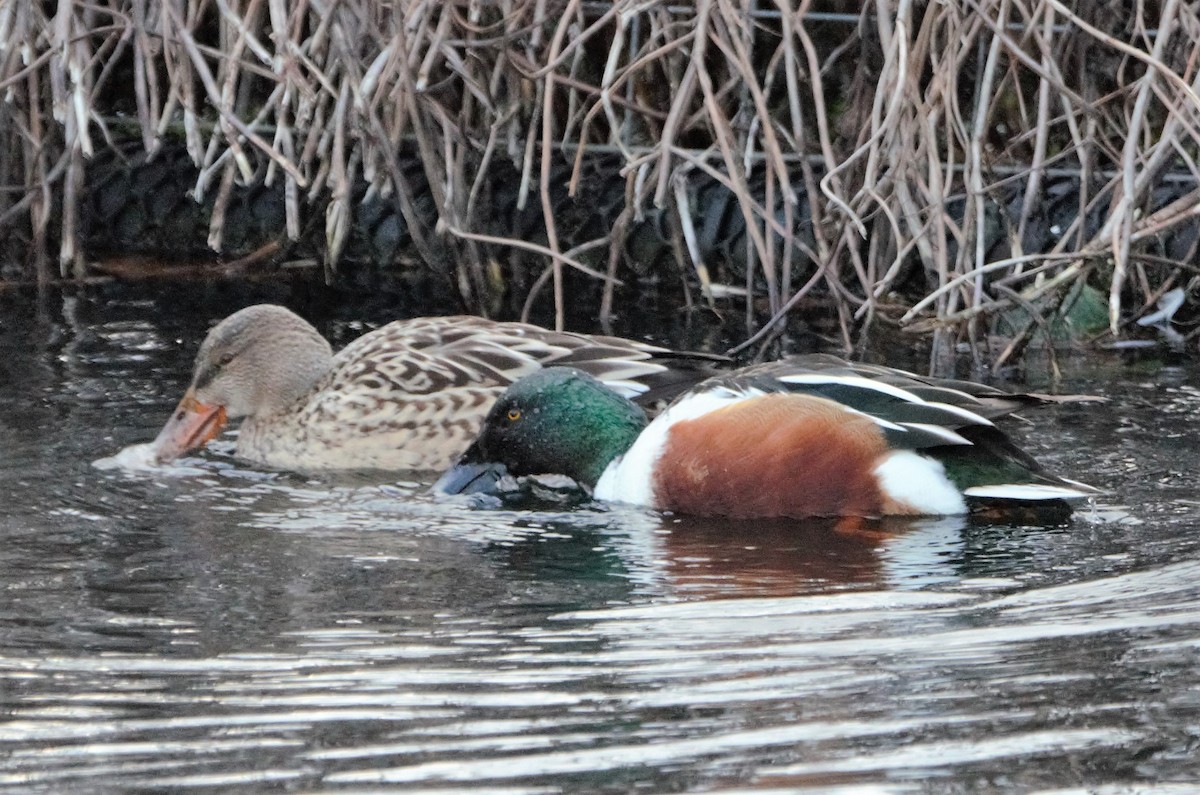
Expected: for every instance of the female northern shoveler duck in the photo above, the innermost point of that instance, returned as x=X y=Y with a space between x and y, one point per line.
x=410 y=395
x=806 y=436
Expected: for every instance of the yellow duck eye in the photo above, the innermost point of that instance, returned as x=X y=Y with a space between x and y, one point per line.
x=514 y=415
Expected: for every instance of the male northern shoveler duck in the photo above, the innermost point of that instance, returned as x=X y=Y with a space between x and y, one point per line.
x=408 y=396
x=803 y=437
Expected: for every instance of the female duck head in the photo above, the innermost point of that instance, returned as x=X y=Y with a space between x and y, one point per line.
x=256 y=362
x=558 y=420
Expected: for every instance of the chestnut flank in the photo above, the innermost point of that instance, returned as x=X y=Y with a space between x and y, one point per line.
x=775 y=455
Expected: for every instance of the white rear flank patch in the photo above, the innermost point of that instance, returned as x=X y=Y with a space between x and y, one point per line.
x=1028 y=491
x=630 y=478
x=921 y=482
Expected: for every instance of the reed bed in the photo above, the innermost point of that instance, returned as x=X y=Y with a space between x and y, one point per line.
x=870 y=146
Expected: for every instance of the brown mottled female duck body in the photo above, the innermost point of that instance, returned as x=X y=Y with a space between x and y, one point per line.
x=408 y=396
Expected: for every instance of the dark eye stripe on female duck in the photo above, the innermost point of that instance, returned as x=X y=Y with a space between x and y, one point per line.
x=806 y=436
x=408 y=396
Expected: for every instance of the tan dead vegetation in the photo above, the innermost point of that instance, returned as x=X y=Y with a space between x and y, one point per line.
x=895 y=125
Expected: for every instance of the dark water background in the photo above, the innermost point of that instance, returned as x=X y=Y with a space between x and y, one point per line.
x=217 y=629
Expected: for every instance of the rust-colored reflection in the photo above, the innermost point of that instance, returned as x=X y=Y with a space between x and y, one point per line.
x=720 y=558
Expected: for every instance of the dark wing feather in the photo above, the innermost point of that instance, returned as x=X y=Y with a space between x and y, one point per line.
x=908 y=420
x=947 y=420
x=983 y=400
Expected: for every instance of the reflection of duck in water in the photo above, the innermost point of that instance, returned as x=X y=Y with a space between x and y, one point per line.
x=619 y=552
x=806 y=436
x=410 y=395
x=628 y=555
x=709 y=558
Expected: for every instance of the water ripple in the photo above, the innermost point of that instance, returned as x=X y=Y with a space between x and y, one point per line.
x=209 y=627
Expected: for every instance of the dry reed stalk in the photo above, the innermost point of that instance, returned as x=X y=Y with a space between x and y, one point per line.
x=870 y=161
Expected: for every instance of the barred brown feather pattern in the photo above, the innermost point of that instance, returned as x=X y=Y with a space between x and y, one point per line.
x=428 y=355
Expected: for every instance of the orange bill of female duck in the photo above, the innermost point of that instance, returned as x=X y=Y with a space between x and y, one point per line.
x=192 y=425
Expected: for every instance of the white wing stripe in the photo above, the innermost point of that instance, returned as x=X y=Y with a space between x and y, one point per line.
x=965 y=414
x=1027 y=491
x=880 y=421
x=937 y=430
x=857 y=382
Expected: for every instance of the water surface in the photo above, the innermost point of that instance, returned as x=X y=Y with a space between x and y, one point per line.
x=212 y=628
